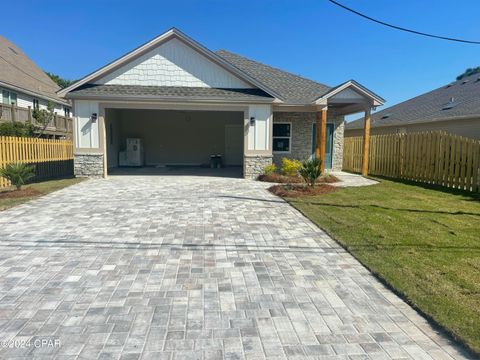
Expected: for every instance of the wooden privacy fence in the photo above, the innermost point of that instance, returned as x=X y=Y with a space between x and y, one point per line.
x=52 y=158
x=429 y=157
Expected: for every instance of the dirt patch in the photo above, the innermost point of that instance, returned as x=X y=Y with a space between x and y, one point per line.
x=15 y=194
x=282 y=179
x=300 y=190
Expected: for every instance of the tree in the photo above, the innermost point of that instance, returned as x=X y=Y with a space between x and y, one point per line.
x=44 y=117
x=468 y=72
x=63 y=83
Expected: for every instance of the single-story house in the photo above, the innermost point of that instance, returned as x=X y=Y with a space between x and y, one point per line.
x=454 y=108
x=24 y=86
x=186 y=103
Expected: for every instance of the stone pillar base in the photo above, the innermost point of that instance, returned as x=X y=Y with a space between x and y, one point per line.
x=254 y=164
x=88 y=165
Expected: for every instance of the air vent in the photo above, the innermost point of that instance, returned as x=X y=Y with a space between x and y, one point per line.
x=464 y=82
x=450 y=105
x=386 y=116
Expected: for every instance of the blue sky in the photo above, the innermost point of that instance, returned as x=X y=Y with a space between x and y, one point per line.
x=312 y=38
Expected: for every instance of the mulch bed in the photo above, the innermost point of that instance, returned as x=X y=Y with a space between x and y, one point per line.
x=13 y=194
x=282 y=179
x=300 y=190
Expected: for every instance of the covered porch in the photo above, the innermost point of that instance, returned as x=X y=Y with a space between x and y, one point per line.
x=346 y=99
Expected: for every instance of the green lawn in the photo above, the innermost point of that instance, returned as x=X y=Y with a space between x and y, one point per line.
x=41 y=188
x=425 y=242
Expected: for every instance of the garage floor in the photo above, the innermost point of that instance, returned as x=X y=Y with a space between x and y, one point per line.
x=228 y=172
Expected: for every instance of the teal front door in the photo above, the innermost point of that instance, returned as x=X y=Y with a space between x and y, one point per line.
x=329 y=147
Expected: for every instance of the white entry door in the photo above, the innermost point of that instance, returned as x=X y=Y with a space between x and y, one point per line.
x=233 y=145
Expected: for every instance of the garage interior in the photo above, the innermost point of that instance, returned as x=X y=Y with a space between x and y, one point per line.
x=176 y=139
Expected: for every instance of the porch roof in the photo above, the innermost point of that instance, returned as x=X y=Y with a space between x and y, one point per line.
x=140 y=92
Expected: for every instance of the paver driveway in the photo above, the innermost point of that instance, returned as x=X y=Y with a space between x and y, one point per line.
x=183 y=267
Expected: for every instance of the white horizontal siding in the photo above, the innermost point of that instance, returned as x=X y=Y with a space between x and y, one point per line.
x=173 y=64
x=26 y=100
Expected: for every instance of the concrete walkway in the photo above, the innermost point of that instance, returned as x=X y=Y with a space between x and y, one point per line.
x=351 y=180
x=183 y=267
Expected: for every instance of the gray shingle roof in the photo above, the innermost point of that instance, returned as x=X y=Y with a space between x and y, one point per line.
x=17 y=70
x=144 y=92
x=430 y=106
x=294 y=89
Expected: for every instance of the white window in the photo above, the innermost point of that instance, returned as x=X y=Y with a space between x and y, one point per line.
x=36 y=104
x=9 y=97
x=66 y=111
x=282 y=137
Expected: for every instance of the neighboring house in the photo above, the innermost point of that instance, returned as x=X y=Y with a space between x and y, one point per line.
x=25 y=86
x=186 y=103
x=454 y=108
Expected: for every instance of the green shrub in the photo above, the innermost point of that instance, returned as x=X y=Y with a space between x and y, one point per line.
x=311 y=171
x=269 y=169
x=18 y=174
x=16 y=129
x=290 y=167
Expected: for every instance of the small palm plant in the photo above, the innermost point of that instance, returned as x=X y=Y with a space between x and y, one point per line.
x=311 y=171
x=17 y=173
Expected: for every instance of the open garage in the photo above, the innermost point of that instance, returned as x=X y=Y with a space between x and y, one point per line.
x=175 y=138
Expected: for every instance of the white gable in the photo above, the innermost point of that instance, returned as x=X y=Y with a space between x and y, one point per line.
x=173 y=63
x=348 y=94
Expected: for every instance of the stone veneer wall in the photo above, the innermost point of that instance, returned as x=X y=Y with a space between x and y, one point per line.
x=338 y=140
x=88 y=165
x=301 y=143
x=254 y=165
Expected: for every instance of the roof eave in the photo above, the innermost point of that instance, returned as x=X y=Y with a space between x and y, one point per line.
x=414 y=122
x=376 y=100
x=34 y=93
x=188 y=99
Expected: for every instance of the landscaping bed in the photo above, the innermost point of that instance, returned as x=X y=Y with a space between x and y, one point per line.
x=423 y=241
x=10 y=197
x=294 y=179
x=300 y=190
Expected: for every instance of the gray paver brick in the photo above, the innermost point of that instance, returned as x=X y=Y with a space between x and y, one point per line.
x=169 y=267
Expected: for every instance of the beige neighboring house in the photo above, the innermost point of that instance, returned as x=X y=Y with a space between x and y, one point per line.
x=24 y=86
x=454 y=108
x=185 y=103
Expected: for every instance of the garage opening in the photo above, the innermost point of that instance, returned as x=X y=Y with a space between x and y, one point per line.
x=174 y=141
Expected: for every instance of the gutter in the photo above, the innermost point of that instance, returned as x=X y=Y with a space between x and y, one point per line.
x=169 y=99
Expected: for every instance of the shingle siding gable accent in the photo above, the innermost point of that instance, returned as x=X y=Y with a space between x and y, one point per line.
x=173 y=64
